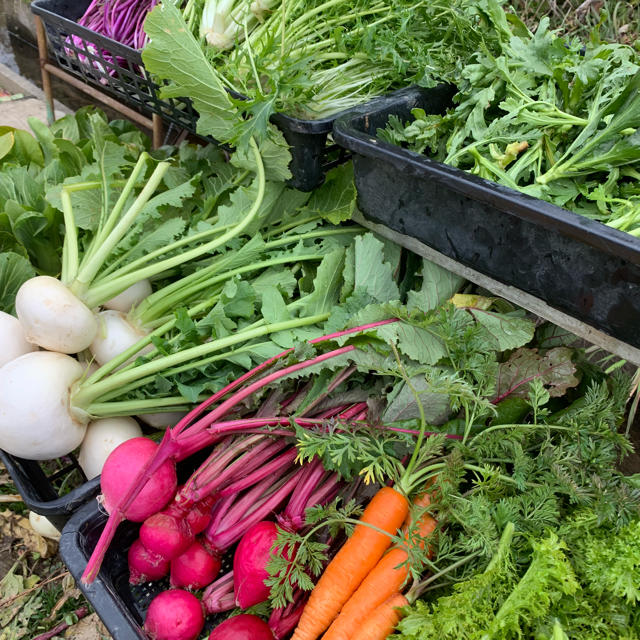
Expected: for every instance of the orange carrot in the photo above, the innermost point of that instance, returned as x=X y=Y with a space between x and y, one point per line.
x=383 y=620
x=385 y=579
x=359 y=554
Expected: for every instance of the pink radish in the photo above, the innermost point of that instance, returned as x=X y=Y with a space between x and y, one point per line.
x=174 y=615
x=242 y=627
x=195 y=568
x=145 y=566
x=120 y=472
x=165 y=535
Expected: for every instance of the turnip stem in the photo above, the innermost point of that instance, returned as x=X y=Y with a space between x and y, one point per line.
x=70 y=262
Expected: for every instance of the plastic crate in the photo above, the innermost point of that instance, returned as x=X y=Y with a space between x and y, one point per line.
x=121 y=606
x=576 y=265
x=40 y=490
x=118 y=70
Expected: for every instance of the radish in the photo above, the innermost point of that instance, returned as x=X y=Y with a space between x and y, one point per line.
x=145 y=566
x=255 y=548
x=38 y=425
x=174 y=615
x=13 y=342
x=165 y=535
x=130 y=297
x=120 y=472
x=242 y=627
x=195 y=568
x=101 y=438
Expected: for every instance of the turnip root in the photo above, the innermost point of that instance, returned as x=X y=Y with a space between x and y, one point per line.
x=13 y=342
x=145 y=566
x=101 y=438
x=130 y=297
x=120 y=471
x=36 y=419
x=195 y=568
x=242 y=627
x=115 y=334
x=42 y=526
x=161 y=420
x=54 y=318
x=174 y=615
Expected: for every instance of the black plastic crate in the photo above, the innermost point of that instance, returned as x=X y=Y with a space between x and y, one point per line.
x=118 y=70
x=576 y=265
x=121 y=606
x=41 y=489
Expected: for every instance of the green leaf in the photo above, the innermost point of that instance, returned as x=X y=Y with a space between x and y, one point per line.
x=174 y=55
x=418 y=343
x=14 y=270
x=335 y=200
x=6 y=144
x=372 y=273
x=327 y=284
x=438 y=285
x=504 y=331
x=403 y=404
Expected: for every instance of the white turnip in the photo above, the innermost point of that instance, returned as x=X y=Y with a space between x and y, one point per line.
x=36 y=419
x=130 y=297
x=101 y=438
x=52 y=317
x=115 y=334
x=13 y=342
x=161 y=420
x=41 y=525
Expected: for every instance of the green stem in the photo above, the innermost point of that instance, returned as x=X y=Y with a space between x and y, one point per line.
x=101 y=293
x=70 y=261
x=94 y=264
x=86 y=394
x=134 y=407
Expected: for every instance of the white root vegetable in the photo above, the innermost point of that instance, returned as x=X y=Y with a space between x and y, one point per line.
x=130 y=297
x=37 y=420
x=54 y=318
x=41 y=525
x=161 y=420
x=101 y=438
x=115 y=334
x=12 y=339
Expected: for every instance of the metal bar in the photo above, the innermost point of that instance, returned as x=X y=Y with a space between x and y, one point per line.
x=43 y=57
x=527 y=301
x=98 y=95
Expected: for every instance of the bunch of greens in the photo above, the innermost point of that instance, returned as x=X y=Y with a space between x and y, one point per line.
x=548 y=116
x=31 y=228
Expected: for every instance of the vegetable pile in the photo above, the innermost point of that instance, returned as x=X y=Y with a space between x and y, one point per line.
x=552 y=117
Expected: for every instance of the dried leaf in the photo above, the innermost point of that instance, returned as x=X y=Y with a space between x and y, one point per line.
x=15 y=526
x=89 y=628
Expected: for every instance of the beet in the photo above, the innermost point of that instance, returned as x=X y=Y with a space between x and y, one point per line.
x=242 y=627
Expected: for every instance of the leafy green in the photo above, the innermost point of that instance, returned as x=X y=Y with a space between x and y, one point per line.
x=14 y=270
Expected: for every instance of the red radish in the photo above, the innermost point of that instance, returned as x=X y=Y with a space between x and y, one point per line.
x=250 y=564
x=174 y=615
x=165 y=535
x=145 y=566
x=242 y=627
x=195 y=568
x=120 y=472
x=199 y=515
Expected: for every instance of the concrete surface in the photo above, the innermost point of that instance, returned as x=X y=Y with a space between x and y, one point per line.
x=14 y=113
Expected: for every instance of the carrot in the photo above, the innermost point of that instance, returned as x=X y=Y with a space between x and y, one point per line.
x=382 y=620
x=385 y=579
x=387 y=511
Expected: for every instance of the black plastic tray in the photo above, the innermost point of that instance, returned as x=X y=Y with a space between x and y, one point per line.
x=121 y=606
x=119 y=71
x=576 y=265
x=38 y=489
